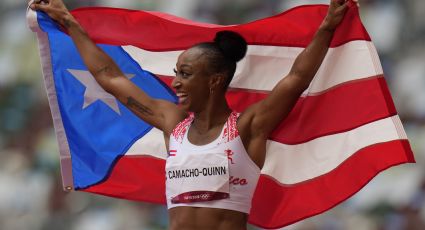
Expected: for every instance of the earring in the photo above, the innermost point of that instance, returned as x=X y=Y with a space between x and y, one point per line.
x=211 y=91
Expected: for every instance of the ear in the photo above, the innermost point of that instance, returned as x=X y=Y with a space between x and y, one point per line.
x=218 y=80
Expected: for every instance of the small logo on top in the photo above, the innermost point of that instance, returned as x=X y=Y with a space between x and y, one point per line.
x=229 y=154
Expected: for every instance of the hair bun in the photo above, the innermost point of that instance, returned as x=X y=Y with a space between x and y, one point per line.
x=232 y=44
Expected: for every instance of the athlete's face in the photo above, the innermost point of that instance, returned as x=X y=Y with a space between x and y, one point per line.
x=192 y=81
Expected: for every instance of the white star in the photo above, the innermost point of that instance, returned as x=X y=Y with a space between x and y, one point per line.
x=93 y=90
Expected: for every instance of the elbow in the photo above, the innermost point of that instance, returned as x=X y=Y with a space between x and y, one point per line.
x=301 y=80
x=105 y=76
x=107 y=83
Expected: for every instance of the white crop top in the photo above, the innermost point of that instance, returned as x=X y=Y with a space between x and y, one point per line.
x=216 y=175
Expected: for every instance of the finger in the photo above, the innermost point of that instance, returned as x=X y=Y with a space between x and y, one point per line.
x=342 y=9
x=354 y=2
x=32 y=6
x=38 y=6
x=29 y=4
x=340 y=2
x=41 y=2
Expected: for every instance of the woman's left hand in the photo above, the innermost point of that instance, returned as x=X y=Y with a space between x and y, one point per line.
x=336 y=13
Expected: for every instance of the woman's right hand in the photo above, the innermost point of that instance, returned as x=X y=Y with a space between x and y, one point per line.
x=56 y=9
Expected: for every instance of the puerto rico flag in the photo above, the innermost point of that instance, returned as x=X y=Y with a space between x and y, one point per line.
x=342 y=132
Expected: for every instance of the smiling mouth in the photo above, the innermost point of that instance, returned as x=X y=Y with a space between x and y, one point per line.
x=182 y=97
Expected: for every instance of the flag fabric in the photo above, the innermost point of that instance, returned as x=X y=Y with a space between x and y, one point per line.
x=342 y=132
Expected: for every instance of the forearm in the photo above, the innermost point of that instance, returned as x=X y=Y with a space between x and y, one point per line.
x=310 y=59
x=308 y=62
x=100 y=65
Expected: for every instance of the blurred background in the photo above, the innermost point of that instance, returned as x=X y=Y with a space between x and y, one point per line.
x=31 y=196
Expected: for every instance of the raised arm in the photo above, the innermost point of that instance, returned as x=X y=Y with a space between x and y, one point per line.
x=159 y=113
x=259 y=120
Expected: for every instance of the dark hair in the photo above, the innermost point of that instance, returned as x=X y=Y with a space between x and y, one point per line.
x=224 y=52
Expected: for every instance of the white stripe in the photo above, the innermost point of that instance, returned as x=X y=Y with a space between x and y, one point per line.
x=300 y=162
x=151 y=144
x=46 y=63
x=308 y=160
x=264 y=66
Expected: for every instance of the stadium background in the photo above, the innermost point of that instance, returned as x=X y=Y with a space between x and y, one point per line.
x=31 y=197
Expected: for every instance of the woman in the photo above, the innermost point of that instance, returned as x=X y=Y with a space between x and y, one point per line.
x=215 y=154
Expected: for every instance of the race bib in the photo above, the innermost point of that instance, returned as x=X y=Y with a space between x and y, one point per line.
x=197 y=177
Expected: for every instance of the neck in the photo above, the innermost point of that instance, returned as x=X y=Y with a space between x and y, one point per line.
x=214 y=114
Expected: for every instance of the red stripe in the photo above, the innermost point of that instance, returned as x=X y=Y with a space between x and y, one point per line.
x=341 y=108
x=153 y=31
x=275 y=206
x=338 y=110
x=135 y=178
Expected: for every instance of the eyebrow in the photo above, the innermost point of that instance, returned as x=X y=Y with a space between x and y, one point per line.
x=184 y=65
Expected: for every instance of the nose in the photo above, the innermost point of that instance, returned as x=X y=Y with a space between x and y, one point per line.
x=176 y=83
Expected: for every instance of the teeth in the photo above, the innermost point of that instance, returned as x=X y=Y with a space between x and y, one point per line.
x=181 y=95
x=182 y=99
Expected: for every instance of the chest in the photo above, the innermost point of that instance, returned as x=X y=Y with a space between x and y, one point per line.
x=196 y=137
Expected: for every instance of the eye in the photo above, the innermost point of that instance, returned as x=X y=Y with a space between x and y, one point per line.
x=181 y=73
